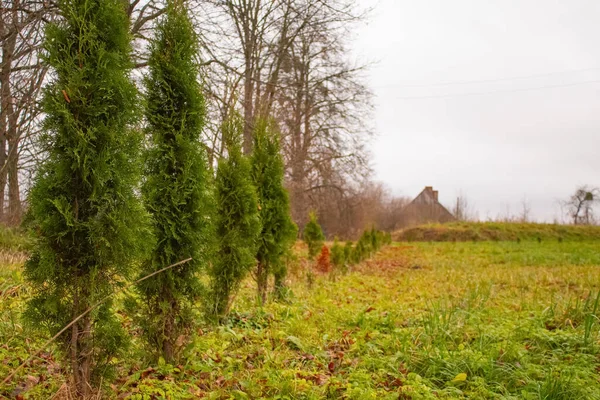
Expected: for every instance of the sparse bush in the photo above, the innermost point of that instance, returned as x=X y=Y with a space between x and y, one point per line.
x=313 y=236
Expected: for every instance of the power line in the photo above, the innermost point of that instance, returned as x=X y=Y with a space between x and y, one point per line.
x=514 y=78
x=496 y=91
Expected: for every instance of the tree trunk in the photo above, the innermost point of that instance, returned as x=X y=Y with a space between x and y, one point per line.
x=248 y=111
x=168 y=347
x=170 y=329
x=74 y=344
x=12 y=169
x=81 y=350
x=6 y=112
x=298 y=157
x=86 y=357
x=262 y=280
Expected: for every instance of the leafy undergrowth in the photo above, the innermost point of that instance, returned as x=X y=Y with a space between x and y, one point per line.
x=419 y=321
x=497 y=231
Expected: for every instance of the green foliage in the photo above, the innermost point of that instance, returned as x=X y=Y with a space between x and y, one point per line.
x=338 y=257
x=178 y=187
x=313 y=236
x=237 y=221
x=364 y=247
x=376 y=239
x=348 y=252
x=278 y=231
x=359 y=252
x=370 y=242
x=86 y=217
x=388 y=238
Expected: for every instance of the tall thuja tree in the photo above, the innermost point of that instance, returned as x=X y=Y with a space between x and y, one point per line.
x=237 y=220
x=177 y=189
x=278 y=231
x=88 y=221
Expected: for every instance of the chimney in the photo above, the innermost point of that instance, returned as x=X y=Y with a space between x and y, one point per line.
x=435 y=196
x=429 y=188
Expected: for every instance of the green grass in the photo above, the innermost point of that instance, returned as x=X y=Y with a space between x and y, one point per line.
x=483 y=320
x=497 y=231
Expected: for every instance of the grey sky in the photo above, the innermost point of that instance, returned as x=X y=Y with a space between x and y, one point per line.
x=499 y=140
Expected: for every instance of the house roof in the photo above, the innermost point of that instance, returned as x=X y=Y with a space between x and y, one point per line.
x=429 y=197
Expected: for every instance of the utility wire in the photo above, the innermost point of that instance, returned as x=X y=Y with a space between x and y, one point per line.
x=515 y=78
x=530 y=89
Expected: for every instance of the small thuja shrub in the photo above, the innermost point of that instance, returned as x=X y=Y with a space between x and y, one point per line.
x=357 y=253
x=313 y=236
x=366 y=245
x=277 y=229
x=178 y=187
x=338 y=258
x=323 y=261
x=362 y=250
x=348 y=253
x=388 y=238
x=237 y=221
x=375 y=238
x=89 y=224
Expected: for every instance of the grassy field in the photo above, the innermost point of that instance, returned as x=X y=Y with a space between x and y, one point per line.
x=497 y=231
x=483 y=320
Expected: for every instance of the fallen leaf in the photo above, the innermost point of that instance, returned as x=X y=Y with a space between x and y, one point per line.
x=460 y=377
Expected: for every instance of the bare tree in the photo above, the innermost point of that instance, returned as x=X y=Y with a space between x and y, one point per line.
x=22 y=76
x=247 y=41
x=463 y=209
x=323 y=107
x=286 y=60
x=525 y=214
x=580 y=206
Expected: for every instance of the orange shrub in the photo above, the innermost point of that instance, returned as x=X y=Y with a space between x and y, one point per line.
x=323 y=262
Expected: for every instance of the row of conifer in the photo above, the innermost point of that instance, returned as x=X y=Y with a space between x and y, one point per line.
x=115 y=203
x=339 y=257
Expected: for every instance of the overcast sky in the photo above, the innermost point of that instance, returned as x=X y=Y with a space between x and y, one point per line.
x=499 y=99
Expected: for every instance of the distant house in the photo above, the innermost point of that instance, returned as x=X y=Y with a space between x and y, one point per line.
x=425 y=208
